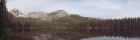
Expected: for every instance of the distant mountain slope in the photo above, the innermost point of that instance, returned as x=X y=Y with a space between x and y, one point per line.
x=44 y=16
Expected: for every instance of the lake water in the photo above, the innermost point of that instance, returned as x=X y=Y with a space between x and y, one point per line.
x=79 y=34
x=109 y=38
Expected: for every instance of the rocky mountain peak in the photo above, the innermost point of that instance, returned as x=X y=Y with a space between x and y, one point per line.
x=16 y=12
x=59 y=13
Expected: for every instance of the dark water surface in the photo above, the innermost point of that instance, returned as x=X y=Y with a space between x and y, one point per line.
x=79 y=34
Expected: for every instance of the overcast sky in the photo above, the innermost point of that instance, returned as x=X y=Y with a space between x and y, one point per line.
x=88 y=8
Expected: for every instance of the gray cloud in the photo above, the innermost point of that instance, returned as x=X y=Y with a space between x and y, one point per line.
x=88 y=8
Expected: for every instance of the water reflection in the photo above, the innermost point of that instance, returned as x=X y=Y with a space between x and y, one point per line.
x=80 y=34
x=109 y=38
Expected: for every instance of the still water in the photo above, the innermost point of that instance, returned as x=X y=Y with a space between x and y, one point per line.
x=79 y=34
x=109 y=38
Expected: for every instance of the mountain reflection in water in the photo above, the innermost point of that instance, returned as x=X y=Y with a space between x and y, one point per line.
x=80 y=34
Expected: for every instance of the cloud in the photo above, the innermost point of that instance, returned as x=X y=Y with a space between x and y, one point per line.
x=88 y=8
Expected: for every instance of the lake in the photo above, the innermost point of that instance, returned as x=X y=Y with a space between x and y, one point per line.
x=78 y=34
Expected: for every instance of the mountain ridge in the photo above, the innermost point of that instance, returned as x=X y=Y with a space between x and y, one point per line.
x=44 y=16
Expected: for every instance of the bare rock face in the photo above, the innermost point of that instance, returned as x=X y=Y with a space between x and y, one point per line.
x=59 y=13
x=17 y=13
x=39 y=15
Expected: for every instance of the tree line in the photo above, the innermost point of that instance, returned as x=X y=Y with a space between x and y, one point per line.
x=126 y=23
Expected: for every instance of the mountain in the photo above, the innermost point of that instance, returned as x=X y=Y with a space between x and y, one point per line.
x=59 y=13
x=17 y=13
x=39 y=15
x=44 y=16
